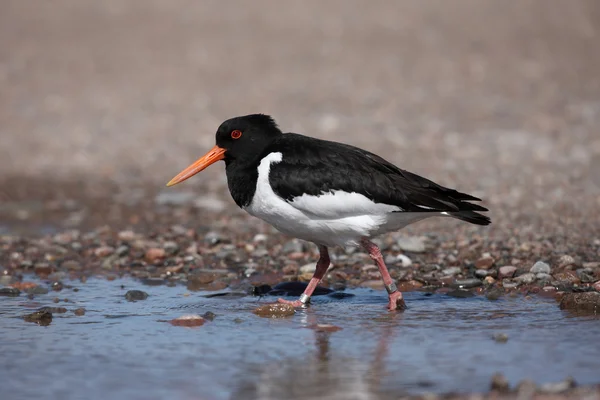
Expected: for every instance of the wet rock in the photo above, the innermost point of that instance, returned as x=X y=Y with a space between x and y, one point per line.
x=212 y=238
x=481 y=273
x=585 y=276
x=275 y=310
x=412 y=244
x=209 y=316
x=154 y=254
x=452 y=271
x=171 y=247
x=79 y=311
x=404 y=260
x=53 y=310
x=467 y=283
x=42 y=269
x=260 y=238
x=586 y=302
x=485 y=262
x=9 y=292
x=460 y=293
x=499 y=383
x=508 y=284
x=526 y=278
x=40 y=317
x=189 y=321
x=506 y=272
x=543 y=277
x=565 y=261
x=104 y=251
x=494 y=293
x=540 y=267
x=500 y=337
x=558 y=387
x=37 y=290
x=57 y=286
x=567 y=278
x=135 y=295
x=23 y=285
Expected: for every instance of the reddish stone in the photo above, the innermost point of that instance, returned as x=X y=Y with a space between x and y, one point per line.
x=154 y=254
x=188 y=321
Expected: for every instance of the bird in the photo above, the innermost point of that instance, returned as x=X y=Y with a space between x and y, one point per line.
x=325 y=192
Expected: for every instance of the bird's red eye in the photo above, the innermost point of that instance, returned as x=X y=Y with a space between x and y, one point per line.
x=236 y=134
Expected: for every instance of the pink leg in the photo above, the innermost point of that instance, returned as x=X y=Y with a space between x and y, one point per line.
x=322 y=266
x=396 y=301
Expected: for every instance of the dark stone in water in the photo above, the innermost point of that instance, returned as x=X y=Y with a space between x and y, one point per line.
x=134 y=295
x=53 y=310
x=467 y=283
x=494 y=293
x=37 y=290
x=57 y=286
x=296 y=289
x=9 y=292
x=588 y=302
x=209 y=316
x=460 y=293
x=40 y=317
x=79 y=311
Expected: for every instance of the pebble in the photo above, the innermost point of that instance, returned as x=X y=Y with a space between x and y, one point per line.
x=540 y=267
x=565 y=261
x=54 y=310
x=499 y=383
x=494 y=293
x=79 y=311
x=122 y=250
x=404 y=260
x=190 y=320
x=468 y=283
x=104 y=251
x=126 y=236
x=596 y=286
x=260 y=238
x=558 y=387
x=526 y=278
x=308 y=268
x=481 y=273
x=40 y=317
x=212 y=238
x=542 y=276
x=9 y=292
x=293 y=246
x=37 y=290
x=452 y=271
x=171 y=247
x=154 y=254
x=134 y=295
x=500 y=337
x=412 y=244
x=586 y=301
x=174 y=198
x=489 y=280
x=485 y=262
x=506 y=272
x=57 y=286
x=275 y=310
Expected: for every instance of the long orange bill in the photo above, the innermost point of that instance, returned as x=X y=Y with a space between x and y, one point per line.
x=215 y=154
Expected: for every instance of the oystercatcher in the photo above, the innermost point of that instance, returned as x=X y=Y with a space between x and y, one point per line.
x=328 y=193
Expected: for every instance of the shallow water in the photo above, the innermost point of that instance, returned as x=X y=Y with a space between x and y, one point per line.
x=122 y=349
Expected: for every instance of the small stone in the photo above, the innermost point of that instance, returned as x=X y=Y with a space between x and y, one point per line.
x=596 y=286
x=79 y=311
x=567 y=277
x=540 y=267
x=558 y=387
x=507 y=284
x=212 y=238
x=489 y=280
x=485 y=262
x=506 y=272
x=451 y=271
x=37 y=290
x=542 y=276
x=9 y=292
x=126 y=236
x=72 y=265
x=275 y=310
x=260 y=238
x=308 y=268
x=171 y=247
x=209 y=316
x=494 y=293
x=57 y=286
x=565 y=261
x=412 y=244
x=499 y=383
x=404 y=260
x=40 y=317
x=293 y=246
x=189 y=321
x=54 y=310
x=500 y=337
x=588 y=302
x=468 y=283
x=134 y=295
x=526 y=278
x=481 y=273
x=154 y=254
x=104 y=251
x=122 y=250
x=42 y=269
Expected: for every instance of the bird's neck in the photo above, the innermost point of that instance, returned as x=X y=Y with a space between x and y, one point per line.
x=241 y=179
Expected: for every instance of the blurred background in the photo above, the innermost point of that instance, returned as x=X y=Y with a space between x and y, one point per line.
x=102 y=102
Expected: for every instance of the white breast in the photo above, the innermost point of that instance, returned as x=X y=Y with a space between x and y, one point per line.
x=332 y=219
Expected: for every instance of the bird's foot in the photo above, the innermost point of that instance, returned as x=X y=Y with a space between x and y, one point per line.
x=396 y=302
x=293 y=303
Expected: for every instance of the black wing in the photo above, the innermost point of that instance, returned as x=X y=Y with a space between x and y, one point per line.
x=315 y=167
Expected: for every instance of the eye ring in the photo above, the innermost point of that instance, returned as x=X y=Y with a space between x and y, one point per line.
x=236 y=134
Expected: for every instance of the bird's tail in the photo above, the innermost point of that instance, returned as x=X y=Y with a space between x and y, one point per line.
x=472 y=217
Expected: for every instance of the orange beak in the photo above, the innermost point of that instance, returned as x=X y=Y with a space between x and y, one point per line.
x=215 y=154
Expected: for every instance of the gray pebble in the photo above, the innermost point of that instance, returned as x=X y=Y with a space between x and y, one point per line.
x=122 y=250
x=543 y=277
x=481 y=273
x=260 y=238
x=468 y=283
x=293 y=246
x=540 y=267
x=404 y=260
x=412 y=244
x=171 y=247
x=527 y=277
x=212 y=238
x=500 y=337
x=37 y=290
x=134 y=295
x=452 y=271
x=9 y=292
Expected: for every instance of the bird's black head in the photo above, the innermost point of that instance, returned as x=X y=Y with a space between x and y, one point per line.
x=240 y=140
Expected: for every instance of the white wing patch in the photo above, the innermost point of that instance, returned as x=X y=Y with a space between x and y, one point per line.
x=340 y=204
